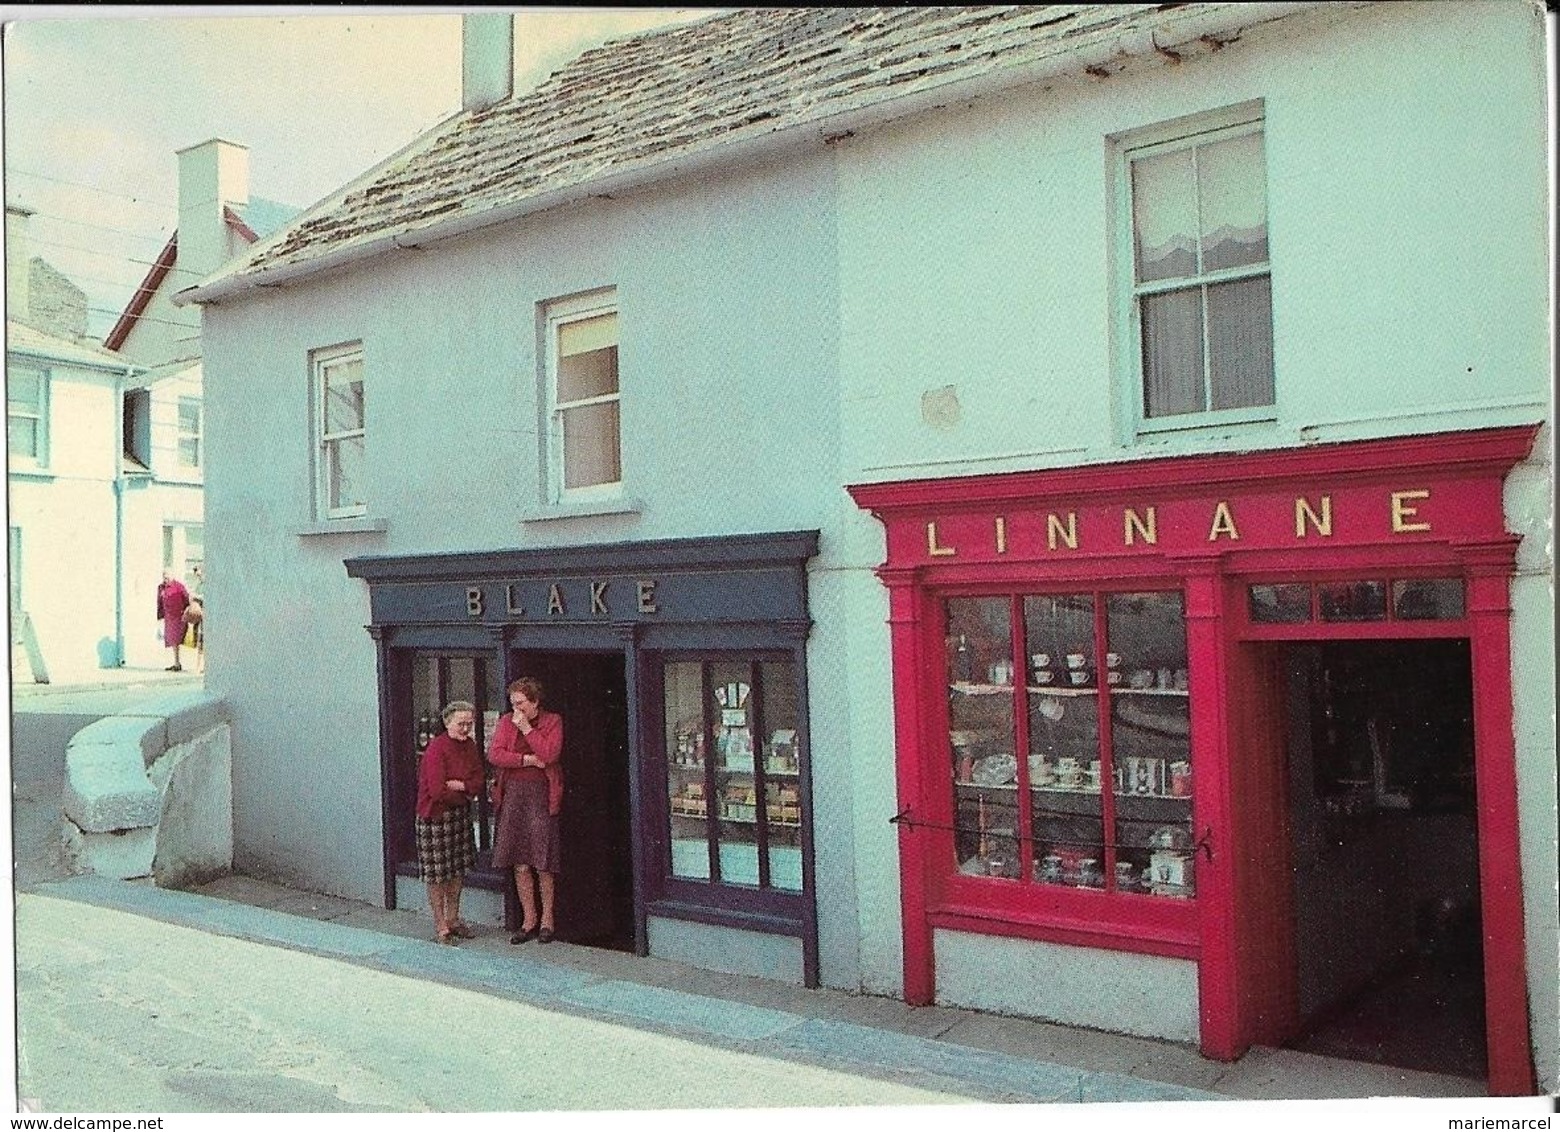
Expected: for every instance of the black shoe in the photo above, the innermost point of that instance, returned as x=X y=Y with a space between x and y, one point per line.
x=174 y=668
x=526 y=936
x=544 y=936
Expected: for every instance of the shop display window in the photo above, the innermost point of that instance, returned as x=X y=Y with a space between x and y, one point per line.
x=1093 y=690
x=438 y=679
x=733 y=772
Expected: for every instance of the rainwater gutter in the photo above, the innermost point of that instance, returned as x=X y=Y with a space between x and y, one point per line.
x=1203 y=26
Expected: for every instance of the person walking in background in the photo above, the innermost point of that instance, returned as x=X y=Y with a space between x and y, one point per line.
x=172 y=600
x=526 y=747
x=448 y=778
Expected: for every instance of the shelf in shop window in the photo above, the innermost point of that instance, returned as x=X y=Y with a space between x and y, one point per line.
x=754 y=821
x=965 y=689
x=1010 y=787
x=1120 y=691
x=1063 y=690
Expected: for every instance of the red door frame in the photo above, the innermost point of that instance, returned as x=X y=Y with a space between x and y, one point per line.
x=1421 y=506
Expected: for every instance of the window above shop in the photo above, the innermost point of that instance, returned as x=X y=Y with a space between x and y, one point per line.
x=340 y=433
x=584 y=441
x=1201 y=303
x=27 y=416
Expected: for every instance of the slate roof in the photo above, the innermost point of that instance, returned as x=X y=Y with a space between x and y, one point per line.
x=685 y=90
x=25 y=341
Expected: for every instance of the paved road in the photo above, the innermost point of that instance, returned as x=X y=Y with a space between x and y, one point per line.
x=119 y=1013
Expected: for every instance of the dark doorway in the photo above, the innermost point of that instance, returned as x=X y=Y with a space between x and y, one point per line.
x=1383 y=824
x=595 y=887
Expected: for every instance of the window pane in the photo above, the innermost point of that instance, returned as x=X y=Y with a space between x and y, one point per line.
x=593 y=374
x=1430 y=599
x=590 y=445
x=1240 y=343
x=1173 y=353
x=24 y=391
x=345 y=472
x=732 y=713
x=587 y=334
x=1352 y=601
x=189 y=415
x=686 y=737
x=1232 y=194
x=782 y=775
x=1280 y=605
x=344 y=397
x=1150 y=722
x=980 y=736
x=189 y=452
x=22 y=435
x=1164 y=217
x=1063 y=764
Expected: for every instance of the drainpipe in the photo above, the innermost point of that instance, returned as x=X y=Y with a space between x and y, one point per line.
x=120 y=380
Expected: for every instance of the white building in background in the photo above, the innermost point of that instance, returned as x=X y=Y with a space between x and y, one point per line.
x=164 y=410
x=107 y=453
x=65 y=480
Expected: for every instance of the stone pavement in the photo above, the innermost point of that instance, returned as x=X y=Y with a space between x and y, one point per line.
x=982 y=1057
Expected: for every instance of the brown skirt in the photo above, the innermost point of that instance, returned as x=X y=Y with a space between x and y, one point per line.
x=527 y=833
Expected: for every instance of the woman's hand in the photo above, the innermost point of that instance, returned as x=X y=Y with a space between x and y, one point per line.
x=454 y=784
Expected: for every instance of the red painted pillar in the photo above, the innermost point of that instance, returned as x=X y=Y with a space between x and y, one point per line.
x=1500 y=871
x=1218 y=983
x=909 y=681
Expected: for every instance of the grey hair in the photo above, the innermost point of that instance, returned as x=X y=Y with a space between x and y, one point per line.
x=457 y=705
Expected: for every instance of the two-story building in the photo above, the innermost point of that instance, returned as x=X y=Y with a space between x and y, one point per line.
x=64 y=481
x=1044 y=509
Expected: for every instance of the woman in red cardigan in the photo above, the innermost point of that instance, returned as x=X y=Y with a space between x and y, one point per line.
x=526 y=747
x=448 y=778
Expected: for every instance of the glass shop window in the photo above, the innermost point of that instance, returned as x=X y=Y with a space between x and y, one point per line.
x=438 y=679
x=1406 y=599
x=1093 y=690
x=733 y=772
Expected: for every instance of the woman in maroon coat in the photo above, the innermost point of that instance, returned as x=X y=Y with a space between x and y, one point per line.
x=448 y=778
x=172 y=600
x=526 y=747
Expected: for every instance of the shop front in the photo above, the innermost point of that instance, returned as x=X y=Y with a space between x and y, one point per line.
x=1247 y=715
x=679 y=668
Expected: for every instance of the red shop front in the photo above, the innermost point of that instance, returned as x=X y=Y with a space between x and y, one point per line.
x=1247 y=710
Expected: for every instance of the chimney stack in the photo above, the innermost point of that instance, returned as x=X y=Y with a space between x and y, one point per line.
x=18 y=264
x=212 y=176
x=487 y=59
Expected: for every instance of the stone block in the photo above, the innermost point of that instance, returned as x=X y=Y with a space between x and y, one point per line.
x=123 y=855
x=195 y=716
x=147 y=734
x=106 y=788
x=195 y=836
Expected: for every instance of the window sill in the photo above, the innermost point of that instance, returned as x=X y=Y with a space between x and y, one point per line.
x=583 y=509
x=28 y=472
x=363 y=525
x=1167 y=428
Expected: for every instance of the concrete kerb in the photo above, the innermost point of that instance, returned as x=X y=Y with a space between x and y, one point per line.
x=122 y=780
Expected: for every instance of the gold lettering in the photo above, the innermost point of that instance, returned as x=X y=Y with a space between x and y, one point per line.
x=474 y=602
x=1068 y=533
x=1136 y=528
x=1223 y=523
x=1001 y=535
x=931 y=544
x=598 y=594
x=1322 y=522
x=1402 y=513
x=511 y=606
x=647 y=596
x=554 y=599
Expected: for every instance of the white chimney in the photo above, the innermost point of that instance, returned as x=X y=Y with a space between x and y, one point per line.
x=18 y=264
x=487 y=58
x=212 y=176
